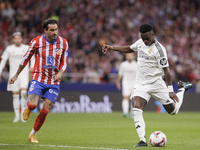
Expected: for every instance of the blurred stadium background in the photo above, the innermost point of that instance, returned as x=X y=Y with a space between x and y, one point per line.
x=87 y=25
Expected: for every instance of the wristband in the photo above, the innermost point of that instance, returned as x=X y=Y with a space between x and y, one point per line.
x=170 y=88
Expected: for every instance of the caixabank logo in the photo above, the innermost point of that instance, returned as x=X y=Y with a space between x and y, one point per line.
x=83 y=105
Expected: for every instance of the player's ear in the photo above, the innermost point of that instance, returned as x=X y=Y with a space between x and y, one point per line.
x=45 y=30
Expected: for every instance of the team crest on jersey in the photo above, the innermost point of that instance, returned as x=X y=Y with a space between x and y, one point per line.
x=58 y=50
x=32 y=86
x=163 y=61
x=31 y=89
x=149 y=51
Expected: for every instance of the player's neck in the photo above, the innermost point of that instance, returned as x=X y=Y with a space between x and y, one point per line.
x=17 y=45
x=129 y=61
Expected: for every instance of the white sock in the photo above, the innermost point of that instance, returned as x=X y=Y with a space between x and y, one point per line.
x=125 y=106
x=139 y=123
x=33 y=132
x=180 y=95
x=16 y=104
x=23 y=100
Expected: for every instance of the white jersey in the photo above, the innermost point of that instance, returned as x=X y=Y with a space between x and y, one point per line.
x=128 y=72
x=14 y=55
x=150 y=61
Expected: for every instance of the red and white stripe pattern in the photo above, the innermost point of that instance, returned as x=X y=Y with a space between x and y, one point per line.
x=49 y=58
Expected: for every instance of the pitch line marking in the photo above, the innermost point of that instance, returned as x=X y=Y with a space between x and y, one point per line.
x=65 y=146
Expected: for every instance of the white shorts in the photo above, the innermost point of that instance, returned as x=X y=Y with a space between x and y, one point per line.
x=157 y=90
x=126 y=90
x=19 y=83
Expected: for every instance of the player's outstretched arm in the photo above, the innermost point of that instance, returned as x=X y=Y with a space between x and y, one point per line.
x=13 y=79
x=123 y=49
x=118 y=83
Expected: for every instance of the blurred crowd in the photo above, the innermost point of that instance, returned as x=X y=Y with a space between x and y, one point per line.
x=88 y=24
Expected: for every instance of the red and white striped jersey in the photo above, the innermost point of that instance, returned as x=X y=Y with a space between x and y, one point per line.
x=49 y=58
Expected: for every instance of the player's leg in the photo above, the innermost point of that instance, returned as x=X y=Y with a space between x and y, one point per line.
x=39 y=121
x=16 y=106
x=23 y=83
x=23 y=94
x=125 y=101
x=34 y=92
x=31 y=105
x=173 y=108
x=125 y=106
x=138 y=104
x=49 y=96
x=15 y=90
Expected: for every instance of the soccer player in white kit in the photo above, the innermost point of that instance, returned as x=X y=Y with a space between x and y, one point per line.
x=152 y=63
x=126 y=75
x=14 y=53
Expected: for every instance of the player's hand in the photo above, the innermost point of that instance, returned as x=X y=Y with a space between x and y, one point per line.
x=118 y=86
x=0 y=75
x=30 y=70
x=57 y=77
x=106 y=48
x=173 y=96
x=12 y=80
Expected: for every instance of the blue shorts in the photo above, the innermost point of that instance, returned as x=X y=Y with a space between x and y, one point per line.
x=45 y=90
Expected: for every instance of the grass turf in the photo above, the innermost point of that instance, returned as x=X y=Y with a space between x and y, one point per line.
x=99 y=131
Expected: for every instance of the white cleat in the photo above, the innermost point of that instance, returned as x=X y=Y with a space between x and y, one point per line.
x=16 y=119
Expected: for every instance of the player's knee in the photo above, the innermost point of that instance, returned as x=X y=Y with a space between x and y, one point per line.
x=23 y=94
x=137 y=111
x=47 y=104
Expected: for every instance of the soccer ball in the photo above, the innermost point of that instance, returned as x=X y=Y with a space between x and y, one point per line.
x=158 y=139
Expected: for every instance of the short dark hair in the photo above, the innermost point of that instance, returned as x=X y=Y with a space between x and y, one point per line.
x=49 y=21
x=146 y=28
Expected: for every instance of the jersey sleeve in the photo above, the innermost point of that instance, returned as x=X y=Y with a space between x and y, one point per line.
x=161 y=56
x=134 y=46
x=120 y=72
x=5 y=54
x=4 y=57
x=29 y=53
x=64 y=56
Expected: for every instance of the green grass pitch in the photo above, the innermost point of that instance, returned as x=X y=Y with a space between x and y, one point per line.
x=77 y=131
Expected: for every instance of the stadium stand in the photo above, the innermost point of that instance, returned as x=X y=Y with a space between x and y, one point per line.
x=88 y=24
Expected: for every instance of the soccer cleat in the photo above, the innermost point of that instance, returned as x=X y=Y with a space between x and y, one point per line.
x=124 y=115
x=141 y=144
x=16 y=119
x=22 y=120
x=185 y=85
x=32 y=138
x=26 y=113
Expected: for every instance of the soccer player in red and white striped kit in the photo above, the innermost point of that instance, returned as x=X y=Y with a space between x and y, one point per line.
x=51 y=52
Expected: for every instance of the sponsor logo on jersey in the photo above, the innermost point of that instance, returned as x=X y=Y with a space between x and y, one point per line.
x=52 y=91
x=142 y=54
x=50 y=62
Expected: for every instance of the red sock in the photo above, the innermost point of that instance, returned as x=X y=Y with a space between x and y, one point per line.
x=40 y=119
x=31 y=107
